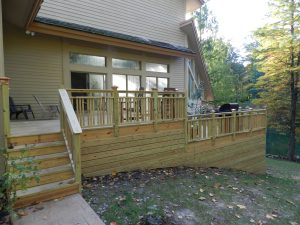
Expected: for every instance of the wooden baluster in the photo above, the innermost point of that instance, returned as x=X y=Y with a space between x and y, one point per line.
x=155 y=107
x=116 y=110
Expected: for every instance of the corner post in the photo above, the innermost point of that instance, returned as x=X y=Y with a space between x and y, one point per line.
x=77 y=146
x=4 y=116
x=155 y=105
x=116 y=110
x=250 y=121
x=213 y=128
x=234 y=125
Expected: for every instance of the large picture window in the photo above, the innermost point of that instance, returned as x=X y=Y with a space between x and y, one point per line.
x=156 y=82
x=89 y=60
x=126 y=82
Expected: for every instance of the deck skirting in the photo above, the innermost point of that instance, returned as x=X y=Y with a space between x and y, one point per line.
x=143 y=147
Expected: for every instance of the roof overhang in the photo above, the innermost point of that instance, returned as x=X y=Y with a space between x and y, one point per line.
x=193 y=5
x=83 y=33
x=190 y=29
x=20 y=13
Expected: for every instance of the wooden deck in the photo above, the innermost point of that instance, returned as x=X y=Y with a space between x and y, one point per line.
x=34 y=127
x=71 y=210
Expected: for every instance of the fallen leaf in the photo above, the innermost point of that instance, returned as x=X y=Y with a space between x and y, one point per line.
x=201 y=190
x=237 y=216
x=214 y=200
x=114 y=173
x=230 y=206
x=211 y=194
x=292 y=203
x=217 y=185
x=270 y=217
x=22 y=213
x=293 y=223
x=252 y=221
x=202 y=198
x=234 y=188
x=241 y=206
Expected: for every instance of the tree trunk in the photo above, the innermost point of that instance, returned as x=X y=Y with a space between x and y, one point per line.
x=293 y=87
x=294 y=96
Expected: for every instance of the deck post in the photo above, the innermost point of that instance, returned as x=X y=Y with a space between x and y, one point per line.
x=155 y=107
x=4 y=116
x=77 y=156
x=250 y=121
x=234 y=125
x=116 y=110
x=213 y=128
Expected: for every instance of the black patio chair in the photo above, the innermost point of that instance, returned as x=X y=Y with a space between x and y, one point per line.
x=19 y=109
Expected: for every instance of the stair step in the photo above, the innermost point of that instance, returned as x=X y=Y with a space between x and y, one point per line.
x=40 y=157
x=44 y=193
x=51 y=170
x=49 y=161
x=50 y=178
x=37 y=149
x=34 y=139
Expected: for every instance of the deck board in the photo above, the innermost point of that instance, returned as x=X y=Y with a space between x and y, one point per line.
x=34 y=127
x=71 y=210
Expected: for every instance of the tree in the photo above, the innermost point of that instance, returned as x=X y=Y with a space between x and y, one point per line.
x=225 y=69
x=278 y=56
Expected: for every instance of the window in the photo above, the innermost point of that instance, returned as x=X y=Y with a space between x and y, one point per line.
x=155 y=67
x=126 y=82
x=89 y=60
x=126 y=64
x=156 y=82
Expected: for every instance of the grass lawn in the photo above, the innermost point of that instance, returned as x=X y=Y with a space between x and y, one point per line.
x=199 y=196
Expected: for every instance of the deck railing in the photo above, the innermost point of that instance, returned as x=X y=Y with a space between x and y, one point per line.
x=99 y=108
x=71 y=130
x=210 y=126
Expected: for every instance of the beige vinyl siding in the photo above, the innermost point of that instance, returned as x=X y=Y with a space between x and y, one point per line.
x=177 y=70
x=153 y=19
x=39 y=65
x=34 y=65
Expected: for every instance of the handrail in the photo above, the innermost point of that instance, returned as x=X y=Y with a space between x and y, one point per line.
x=71 y=130
x=68 y=108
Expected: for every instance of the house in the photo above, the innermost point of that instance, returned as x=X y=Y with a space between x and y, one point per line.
x=97 y=44
x=121 y=73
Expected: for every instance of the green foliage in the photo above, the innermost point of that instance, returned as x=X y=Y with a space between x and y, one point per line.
x=225 y=67
x=277 y=57
x=16 y=176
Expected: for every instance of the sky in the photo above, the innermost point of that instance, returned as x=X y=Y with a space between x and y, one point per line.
x=237 y=18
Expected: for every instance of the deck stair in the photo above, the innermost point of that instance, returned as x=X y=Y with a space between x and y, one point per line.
x=54 y=167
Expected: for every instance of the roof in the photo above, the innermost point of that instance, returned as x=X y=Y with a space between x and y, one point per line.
x=106 y=33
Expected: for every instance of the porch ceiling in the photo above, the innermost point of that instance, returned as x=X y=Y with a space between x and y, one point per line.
x=20 y=12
